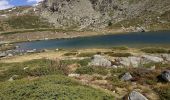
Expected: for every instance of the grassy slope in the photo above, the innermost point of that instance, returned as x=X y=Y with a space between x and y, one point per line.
x=44 y=83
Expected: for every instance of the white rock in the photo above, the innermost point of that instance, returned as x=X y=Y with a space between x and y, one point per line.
x=148 y=58
x=134 y=95
x=99 y=60
x=74 y=75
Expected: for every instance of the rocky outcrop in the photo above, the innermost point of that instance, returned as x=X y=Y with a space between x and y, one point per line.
x=134 y=95
x=129 y=61
x=99 y=13
x=99 y=60
x=151 y=59
x=166 y=75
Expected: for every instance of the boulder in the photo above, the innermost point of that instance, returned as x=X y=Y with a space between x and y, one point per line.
x=129 y=61
x=3 y=54
x=166 y=57
x=134 y=95
x=126 y=77
x=149 y=58
x=99 y=60
x=166 y=75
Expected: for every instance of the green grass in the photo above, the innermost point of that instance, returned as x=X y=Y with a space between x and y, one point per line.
x=27 y=22
x=36 y=30
x=48 y=88
x=87 y=54
x=155 y=50
x=163 y=92
x=92 y=70
x=35 y=68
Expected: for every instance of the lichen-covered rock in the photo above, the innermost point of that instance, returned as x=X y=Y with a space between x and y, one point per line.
x=99 y=60
x=149 y=58
x=134 y=95
x=126 y=77
x=166 y=75
x=166 y=57
x=129 y=61
x=96 y=14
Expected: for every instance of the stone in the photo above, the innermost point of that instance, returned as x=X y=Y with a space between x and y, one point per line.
x=149 y=58
x=99 y=60
x=129 y=61
x=166 y=57
x=14 y=77
x=126 y=77
x=166 y=75
x=3 y=54
x=74 y=75
x=134 y=95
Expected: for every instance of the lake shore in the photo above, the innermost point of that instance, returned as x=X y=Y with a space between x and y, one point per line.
x=11 y=37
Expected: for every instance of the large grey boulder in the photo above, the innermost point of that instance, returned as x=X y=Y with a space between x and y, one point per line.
x=149 y=58
x=3 y=54
x=129 y=61
x=99 y=60
x=126 y=77
x=134 y=95
x=166 y=75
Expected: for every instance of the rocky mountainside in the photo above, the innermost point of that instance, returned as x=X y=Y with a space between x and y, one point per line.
x=96 y=14
x=129 y=15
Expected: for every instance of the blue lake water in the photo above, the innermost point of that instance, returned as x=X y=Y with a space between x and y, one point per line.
x=147 y=39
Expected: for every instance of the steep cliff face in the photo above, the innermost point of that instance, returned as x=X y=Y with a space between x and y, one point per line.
x=96 y=14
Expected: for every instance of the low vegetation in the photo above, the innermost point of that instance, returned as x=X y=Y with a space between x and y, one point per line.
x=56 y=87
x=112 y=54
x=155 y=50
x=120 y=48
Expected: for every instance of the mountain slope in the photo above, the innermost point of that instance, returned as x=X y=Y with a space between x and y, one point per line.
x=96 y=15
x=92 y=14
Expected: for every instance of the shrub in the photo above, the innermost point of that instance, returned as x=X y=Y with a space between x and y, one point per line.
x=87 y=54
x=120 y=54
x=50 y=87
x=120 y=48
x=85 y=70
x=154 y=50
x=70 y=54
x=163 y=92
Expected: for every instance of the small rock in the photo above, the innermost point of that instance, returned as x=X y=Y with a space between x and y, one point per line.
x=166 y=75
x=134 y=95
x=74 y=75
x=14 y=77
x=126 y=77
x=25 y=68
